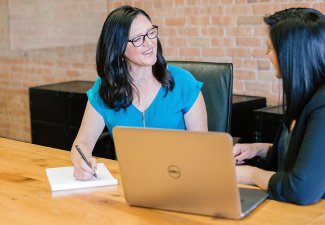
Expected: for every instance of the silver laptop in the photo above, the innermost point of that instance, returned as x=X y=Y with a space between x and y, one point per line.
x=192 y=172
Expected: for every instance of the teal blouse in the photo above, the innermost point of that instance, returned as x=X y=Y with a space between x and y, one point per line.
x=164 y=111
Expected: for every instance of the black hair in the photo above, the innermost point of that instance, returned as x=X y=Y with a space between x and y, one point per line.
x=116 y=82
x=298 y=38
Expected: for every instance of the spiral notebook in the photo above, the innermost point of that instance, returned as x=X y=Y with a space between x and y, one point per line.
x=61 y=178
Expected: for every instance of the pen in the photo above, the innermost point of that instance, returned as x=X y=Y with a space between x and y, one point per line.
x=84 y=158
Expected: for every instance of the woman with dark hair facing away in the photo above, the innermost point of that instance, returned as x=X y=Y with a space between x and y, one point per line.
x=295 y=163
x=135 y=86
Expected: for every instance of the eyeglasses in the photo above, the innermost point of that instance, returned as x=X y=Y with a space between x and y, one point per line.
x=139 y=40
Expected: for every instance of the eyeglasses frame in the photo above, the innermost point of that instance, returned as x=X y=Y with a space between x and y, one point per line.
x=144 y=36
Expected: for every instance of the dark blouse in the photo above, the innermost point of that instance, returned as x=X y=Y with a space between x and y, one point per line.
x=302 y=178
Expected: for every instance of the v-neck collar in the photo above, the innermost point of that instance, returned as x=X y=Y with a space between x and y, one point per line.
x=152 y=102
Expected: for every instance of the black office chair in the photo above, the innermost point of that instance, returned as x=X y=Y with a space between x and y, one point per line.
x=217 y=90
x=217 y=93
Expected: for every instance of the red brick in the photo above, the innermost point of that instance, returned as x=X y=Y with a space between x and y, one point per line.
x=238 y=86
x=179 y=3
x=242 y=31
x=261 y=31
x=72 y=74
x=197 y=2
x=176 y=42
x=175 y=21
x=199 y=20
x=222 y=42
x=250 y=64
x=259 y=53
x=248 y=42
x=194 y=52
x=223 y=20
x=171 y=52
x=199 y=41
x=258 y=86
x=263 y=65
x=263 y=9
x=238 y=52
x=213 y=31
x=240 y=9
x=226 y=1
x=250 y=20
x=238 y=63
x=319 y=6
x=274 y=99
x=246 y=75
x=266 y=75
x=214 y=10
x=213 y=52
x=189 y=11
x=189 y=31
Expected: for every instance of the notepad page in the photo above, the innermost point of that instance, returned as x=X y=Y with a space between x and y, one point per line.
x=61 y=178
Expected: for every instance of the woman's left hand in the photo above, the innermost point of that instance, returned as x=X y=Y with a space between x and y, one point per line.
x=253 y=176
x=244 y=174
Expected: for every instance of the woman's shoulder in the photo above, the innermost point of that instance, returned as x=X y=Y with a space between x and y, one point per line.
x=174 y=68
x=179 y=73
x=98 y=81
x=317 y=100
x=319 y=94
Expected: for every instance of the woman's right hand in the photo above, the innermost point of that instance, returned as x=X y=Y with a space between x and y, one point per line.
x=242 y=152
x=81 y=170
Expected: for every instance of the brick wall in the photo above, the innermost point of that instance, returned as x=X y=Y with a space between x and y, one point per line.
x=38 y=23
x=4 y=25
x=202 y=30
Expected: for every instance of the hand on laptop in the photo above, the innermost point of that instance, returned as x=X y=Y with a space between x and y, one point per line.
x=242 y=152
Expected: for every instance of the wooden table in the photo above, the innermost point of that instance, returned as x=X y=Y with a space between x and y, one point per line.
x=26 y=198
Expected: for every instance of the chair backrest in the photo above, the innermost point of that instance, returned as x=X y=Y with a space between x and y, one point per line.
x=217 y=90
x=217 y=93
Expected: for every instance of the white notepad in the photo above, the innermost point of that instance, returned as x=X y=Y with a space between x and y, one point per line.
x=61 y=178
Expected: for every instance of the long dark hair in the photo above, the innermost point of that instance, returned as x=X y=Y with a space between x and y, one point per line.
x=298 y=38
x=116 y=83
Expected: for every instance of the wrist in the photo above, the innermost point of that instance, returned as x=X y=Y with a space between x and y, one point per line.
x=261 y=177
x=262 y=149
x=74 y=157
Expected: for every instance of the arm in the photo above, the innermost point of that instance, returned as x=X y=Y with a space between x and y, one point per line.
x=304 y=182
x=253 y=176
x=248 y=174
x=91 y=127
x=196 y=117
x=242 y=152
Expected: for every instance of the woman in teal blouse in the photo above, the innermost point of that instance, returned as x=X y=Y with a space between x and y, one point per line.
x=165 y=111
x=135 y=87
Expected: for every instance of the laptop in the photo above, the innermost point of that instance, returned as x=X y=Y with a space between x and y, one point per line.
x=185 y=171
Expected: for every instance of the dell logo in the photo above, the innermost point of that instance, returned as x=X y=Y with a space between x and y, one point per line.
x=174 y=171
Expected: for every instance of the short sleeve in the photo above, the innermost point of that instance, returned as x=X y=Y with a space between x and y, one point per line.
x=187 y=86
x=94 y=97
x=193 y=90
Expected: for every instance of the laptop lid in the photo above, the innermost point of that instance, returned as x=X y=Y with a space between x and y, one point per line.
x=177 y=170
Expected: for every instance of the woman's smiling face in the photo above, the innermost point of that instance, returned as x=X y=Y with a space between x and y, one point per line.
x=145 y=54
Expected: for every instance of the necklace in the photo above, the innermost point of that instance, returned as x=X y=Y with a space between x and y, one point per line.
x=142 y=82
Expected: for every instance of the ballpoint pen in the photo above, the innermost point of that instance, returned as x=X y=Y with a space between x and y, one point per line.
x=84 y=158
